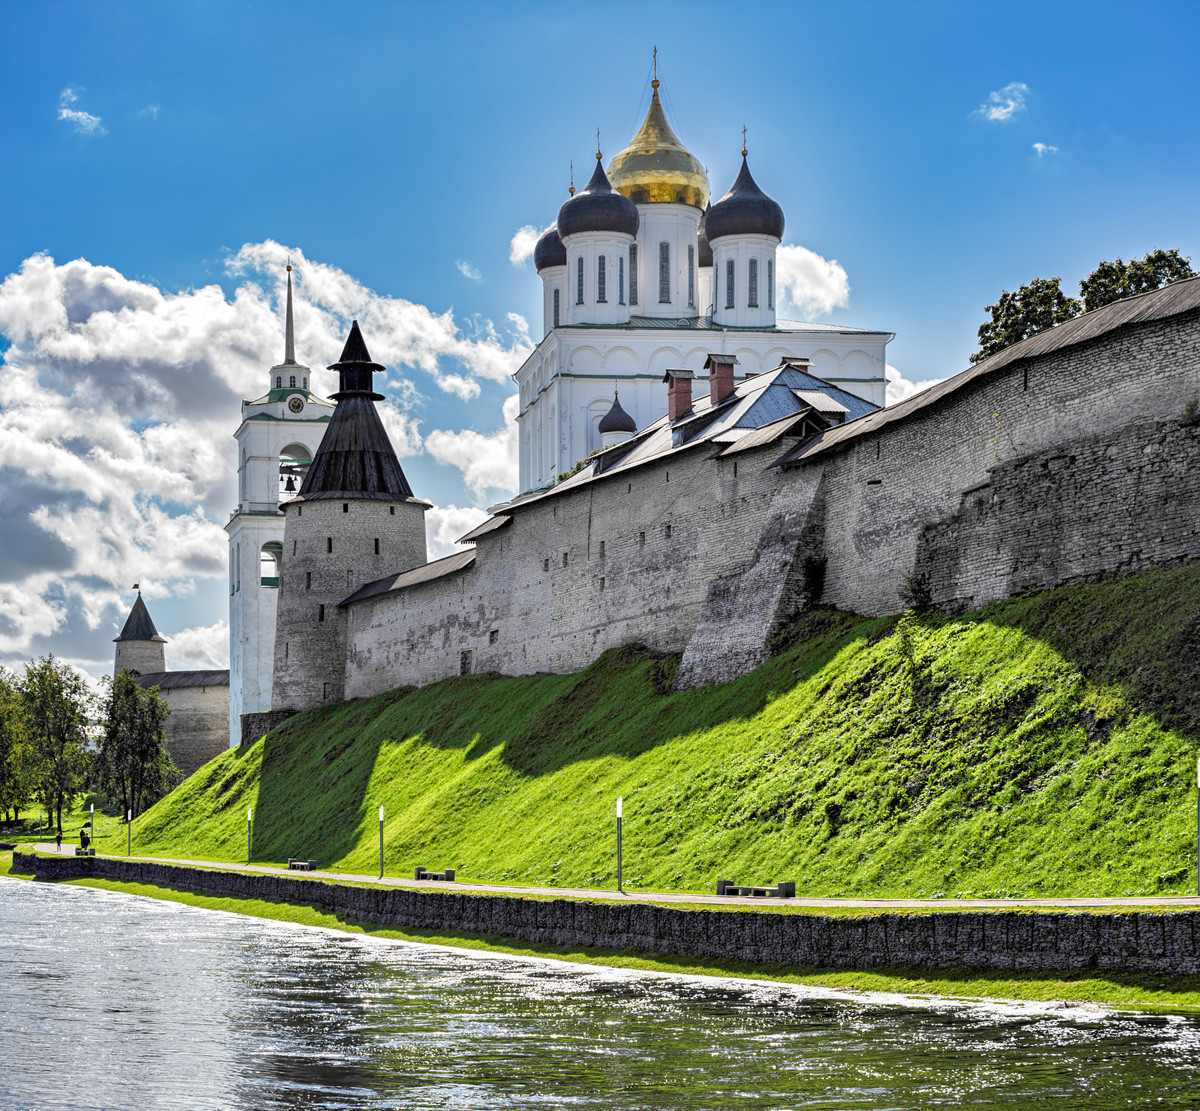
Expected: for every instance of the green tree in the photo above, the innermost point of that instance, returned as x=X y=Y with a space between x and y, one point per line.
x=1033 y=308
x=1112 y=281
x=57 y=703
x=133 y=766
x=15 y=785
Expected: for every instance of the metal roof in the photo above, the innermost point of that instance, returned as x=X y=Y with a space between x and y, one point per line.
x=427 y=572
x=171 y=680
x=139 y=625
x=490 y=525
x=1172 y=300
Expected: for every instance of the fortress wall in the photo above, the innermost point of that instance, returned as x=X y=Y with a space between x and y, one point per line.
x=198 y=728
x=1103 y=400
x=647 y=586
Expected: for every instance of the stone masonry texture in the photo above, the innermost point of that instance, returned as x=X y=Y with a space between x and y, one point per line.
x=1040 y=941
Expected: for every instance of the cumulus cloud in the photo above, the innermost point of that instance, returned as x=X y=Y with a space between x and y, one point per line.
x=488 y=462
x=811 y=284
x=445 y=524
x=117 y=400
x=83 y=122
x=523 y=242
x=200 y=648
x=899 y=388
x=468 y=271
x=1044 y=148
x=1003 y=104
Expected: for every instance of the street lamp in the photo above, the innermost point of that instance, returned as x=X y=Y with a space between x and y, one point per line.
x=619 y=842
x=128 y=832
x=249 y=823
x=381 y=842
x=92 y=826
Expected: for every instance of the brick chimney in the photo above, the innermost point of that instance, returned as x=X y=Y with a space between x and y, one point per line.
x=720 y=376
x=679 y=393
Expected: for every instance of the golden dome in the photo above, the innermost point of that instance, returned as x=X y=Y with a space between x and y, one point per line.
x=656 y=168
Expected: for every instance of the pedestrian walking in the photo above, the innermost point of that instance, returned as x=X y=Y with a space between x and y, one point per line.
x=58 y=841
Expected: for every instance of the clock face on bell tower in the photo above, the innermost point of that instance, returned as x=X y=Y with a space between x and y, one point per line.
x=296 y=404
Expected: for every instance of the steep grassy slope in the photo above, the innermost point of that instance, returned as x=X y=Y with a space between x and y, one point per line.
x=1043 y=746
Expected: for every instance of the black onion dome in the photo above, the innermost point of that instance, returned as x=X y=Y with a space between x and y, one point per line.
x=598 y=207
x=744 y=210
x=705 y=248
x=616 y=419
x=549 y=250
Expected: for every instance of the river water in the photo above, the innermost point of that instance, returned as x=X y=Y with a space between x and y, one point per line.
x=112 y=1001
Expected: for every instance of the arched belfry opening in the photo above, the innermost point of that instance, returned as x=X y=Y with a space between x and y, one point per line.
x=294 y=461
x=269 y=560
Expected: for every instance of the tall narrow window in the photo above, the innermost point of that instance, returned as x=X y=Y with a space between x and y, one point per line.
x=621 y=280
x=602 y=280
x=664 y=273
x=557 y=309
x=729 y=284
x=752 y=284
x=633 y=274
x=770 y=283
x=691 y=276
x=579 y=281
x=279 y=381
x=293 y=381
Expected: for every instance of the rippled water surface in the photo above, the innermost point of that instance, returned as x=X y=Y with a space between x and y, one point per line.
x=109 y=1001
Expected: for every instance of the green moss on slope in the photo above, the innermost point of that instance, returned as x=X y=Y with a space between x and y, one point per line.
x=1043 y=746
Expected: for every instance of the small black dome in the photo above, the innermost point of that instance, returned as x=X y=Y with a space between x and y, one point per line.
x=549 y=250
x=744 y=210
x=616 y=419
x=598 y=207
x=705 y=250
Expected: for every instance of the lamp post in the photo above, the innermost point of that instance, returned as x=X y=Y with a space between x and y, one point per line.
x=1198 y=826
x=381 y=842
x=618 y=842
x=128 y=832
x=92 y=826
x=249 y=824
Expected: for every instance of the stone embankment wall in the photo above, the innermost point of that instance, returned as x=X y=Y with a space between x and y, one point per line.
x=1018 y=941
x=1049 y=469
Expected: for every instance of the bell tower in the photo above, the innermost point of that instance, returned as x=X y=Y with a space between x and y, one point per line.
x=276 y=441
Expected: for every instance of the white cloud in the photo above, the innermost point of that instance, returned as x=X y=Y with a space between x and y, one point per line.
x=1005 y=103
x=487 y=462
x=150 y=112
x=200 y=648
x=523 y=242
x=468 y=271
x=1044 y=149
x=117 y=400
x=84 y=122
x=445 y=524
x=899 y=388
x=812 y=284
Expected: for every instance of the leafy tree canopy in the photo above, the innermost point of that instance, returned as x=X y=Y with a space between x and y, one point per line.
x=133 y=766
x=1042 y=304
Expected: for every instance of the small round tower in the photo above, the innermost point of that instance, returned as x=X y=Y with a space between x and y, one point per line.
x=550 y=259
x=354 y=521
x=139 y=647
x=616 y=426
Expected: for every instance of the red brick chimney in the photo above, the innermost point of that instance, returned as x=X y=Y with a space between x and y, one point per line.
x=679 y=393
x=720 y=376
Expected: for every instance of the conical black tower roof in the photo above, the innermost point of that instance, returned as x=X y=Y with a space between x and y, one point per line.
x=138 y=625
x=356 y=458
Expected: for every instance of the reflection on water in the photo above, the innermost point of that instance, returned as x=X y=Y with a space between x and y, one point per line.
x=107 y=1001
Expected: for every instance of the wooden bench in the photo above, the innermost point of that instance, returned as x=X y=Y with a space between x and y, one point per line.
x=89 y=851
x=447 y=875
x=301 y=865
x=779 y=891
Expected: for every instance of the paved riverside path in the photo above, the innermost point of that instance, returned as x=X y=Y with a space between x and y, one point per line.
x=1182 y=901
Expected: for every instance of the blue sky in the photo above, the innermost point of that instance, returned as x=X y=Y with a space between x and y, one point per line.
x=181 y=150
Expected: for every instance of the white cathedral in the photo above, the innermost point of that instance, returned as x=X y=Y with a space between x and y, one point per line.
x=641 y=274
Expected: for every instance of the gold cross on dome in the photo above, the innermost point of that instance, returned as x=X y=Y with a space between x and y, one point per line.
x=743 y=140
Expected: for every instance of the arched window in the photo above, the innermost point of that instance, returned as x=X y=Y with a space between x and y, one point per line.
x=752 y=284
x=557 y=299
x=279 y=381
x=620 y=279
x=306 y=382
x=770 y=283
x=294 y=461
x=729 y=284
x=633 y=274
x=664 y=273
x=691 y=276
x=292 y=383
x=601 y=280
x=270 y=559
x=579 y=281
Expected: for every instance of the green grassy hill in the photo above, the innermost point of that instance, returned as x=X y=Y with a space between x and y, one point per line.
x=1043 y=746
